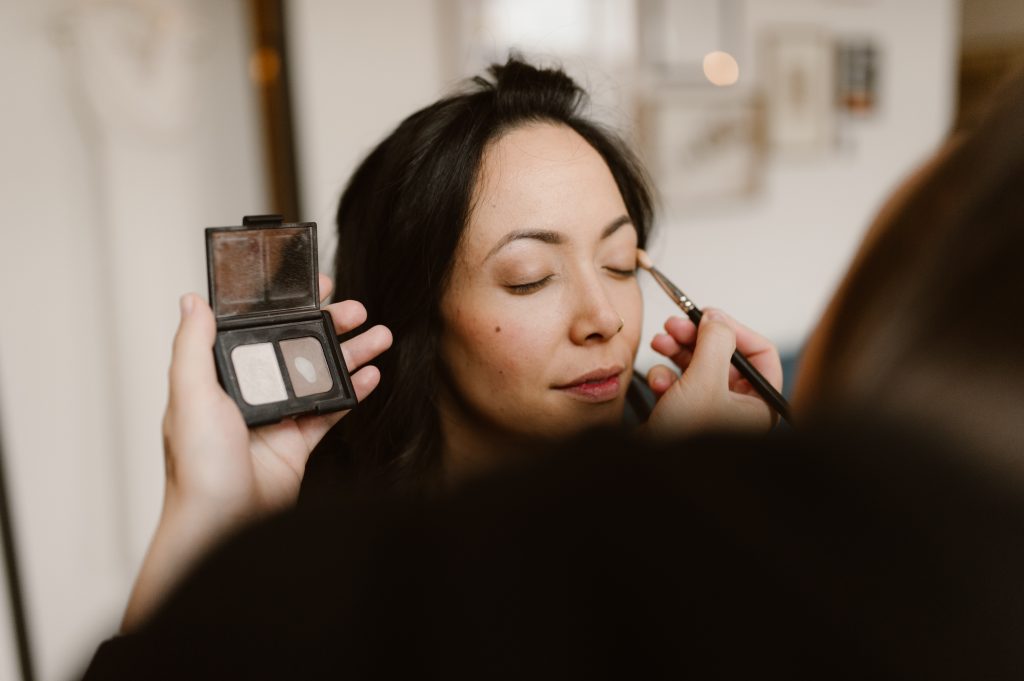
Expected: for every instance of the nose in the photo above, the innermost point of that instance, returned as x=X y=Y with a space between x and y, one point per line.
x=595 y=319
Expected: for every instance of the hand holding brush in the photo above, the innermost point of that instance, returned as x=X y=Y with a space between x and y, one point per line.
x=743 y=366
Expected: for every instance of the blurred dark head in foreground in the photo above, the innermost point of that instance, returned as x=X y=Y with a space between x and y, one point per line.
x=846 y=552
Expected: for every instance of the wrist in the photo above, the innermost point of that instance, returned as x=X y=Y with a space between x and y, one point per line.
x=188 y=528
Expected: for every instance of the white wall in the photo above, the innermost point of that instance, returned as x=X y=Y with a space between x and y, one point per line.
x=127 y=128
x=358 y=68
x=773 y=262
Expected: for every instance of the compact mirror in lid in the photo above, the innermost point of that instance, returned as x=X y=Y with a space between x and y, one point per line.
x=262 y=267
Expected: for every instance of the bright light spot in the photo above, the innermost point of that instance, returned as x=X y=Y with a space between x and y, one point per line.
x=721 y=68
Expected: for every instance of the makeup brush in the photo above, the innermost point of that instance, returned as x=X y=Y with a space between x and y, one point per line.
x=765 y=389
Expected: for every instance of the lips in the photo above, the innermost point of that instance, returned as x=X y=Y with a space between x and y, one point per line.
x=599 y=385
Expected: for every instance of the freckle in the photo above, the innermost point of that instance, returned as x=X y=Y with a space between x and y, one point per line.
x=497 y=329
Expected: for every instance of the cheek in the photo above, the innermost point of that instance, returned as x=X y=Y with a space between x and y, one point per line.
x=493 y=347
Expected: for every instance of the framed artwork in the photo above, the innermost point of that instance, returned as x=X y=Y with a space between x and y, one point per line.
x=703 y=148
x=857 y=71
x=799 y=91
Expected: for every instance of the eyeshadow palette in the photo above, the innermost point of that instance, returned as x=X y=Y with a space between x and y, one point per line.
x=276 y=351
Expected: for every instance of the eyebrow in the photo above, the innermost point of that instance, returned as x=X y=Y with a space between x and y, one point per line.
x=551 y=237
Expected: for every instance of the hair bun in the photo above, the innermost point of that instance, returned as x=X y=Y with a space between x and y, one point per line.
x=524 y=90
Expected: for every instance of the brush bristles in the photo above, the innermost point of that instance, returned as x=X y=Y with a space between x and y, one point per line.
x=643 y=259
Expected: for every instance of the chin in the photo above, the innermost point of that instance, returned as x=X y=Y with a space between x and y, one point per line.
x=596 y=415
x=572 y=417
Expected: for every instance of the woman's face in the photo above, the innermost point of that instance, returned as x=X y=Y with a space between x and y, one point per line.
x=543 y=312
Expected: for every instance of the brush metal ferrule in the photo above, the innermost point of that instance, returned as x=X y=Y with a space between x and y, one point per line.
x=673 y=291
x=686 y=303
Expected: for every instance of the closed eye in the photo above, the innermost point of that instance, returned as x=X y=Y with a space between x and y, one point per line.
x=621 y=273
x=530 y=287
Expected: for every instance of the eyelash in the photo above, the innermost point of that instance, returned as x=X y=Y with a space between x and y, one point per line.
x=532 y=286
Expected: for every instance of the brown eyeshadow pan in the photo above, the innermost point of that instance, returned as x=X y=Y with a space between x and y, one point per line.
x=307 y=366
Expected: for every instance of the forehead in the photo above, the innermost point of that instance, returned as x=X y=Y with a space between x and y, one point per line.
x=542 y=176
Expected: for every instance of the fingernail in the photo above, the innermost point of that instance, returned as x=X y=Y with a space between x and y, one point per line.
x=186 y=304
x=714 y=316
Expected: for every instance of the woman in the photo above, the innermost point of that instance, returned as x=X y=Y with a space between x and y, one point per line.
x=494 y=234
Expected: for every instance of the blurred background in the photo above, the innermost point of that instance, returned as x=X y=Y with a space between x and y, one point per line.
x=773 y=130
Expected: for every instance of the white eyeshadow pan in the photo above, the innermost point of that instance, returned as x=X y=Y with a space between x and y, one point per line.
x=259 y=375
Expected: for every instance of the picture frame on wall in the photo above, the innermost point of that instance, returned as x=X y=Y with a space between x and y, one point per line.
x=705 y=147
x=799 y=88
x=858 y=68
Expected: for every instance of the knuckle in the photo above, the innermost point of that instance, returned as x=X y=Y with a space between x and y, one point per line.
x=718 y=332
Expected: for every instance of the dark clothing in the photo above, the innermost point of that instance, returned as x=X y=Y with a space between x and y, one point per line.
x=842 y=552
x=331 y=471
x=640 y=402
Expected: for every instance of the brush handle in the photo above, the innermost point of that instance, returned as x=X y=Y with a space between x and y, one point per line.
x=765 y=389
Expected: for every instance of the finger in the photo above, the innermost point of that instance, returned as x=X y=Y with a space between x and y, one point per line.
x=748 y=341
x=682 y=329
x=666 y=345
x=364 y=347
x=716 y=341
x=347 y=315
x=192 y=366
x=660 y=378
x=761 y=352
x=326 y=287
x=365 y=381
x=744 y=387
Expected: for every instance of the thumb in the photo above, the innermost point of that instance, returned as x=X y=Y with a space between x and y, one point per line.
x=712 y=353
x=660 y=378
x=192 y=366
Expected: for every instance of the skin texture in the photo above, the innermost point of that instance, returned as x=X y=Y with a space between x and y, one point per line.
x=508 y=350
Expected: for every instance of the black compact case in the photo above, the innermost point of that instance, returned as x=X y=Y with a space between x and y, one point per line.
x=276 y=351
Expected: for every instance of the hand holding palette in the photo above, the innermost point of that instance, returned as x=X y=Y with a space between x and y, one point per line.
x=277 y=352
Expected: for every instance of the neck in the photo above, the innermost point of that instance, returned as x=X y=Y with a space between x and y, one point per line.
x=471 y=446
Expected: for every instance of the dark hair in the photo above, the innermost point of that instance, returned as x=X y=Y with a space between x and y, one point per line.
x=400 y=220
x=927 y=324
